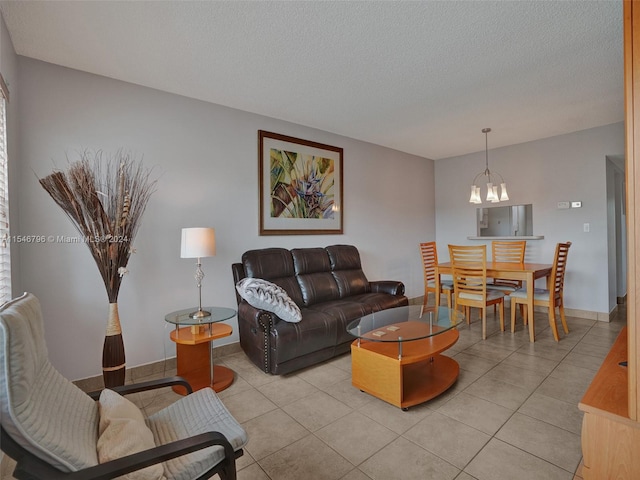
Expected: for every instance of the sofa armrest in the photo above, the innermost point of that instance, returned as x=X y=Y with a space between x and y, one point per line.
x=391 y=287
x=256 y=317
x=255 y=327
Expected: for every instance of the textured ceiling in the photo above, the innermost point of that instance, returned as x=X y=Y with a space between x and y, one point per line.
x=420 y=77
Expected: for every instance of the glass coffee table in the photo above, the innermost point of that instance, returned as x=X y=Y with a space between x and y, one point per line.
x=397 y=353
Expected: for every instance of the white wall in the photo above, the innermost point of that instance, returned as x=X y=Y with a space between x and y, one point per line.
x=206 y=156
x=544 y=172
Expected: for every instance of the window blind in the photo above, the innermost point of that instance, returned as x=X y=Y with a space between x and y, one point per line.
x=5 y=244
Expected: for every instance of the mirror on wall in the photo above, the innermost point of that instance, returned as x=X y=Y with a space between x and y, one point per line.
x=511 y=221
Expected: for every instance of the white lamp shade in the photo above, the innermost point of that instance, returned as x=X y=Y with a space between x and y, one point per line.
x=475 y=195
x=490 y=197
x=504 y=196
x=495 y=198
x=198 y=242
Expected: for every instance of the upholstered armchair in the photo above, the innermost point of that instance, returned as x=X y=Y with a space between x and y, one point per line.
x=54 y=430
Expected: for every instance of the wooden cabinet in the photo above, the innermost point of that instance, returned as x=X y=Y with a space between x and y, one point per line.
x=611 y=424
x=610 y=438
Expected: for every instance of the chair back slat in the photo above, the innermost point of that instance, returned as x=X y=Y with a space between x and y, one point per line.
x=508 y=252
x=559 y=267
x=469 y=264
x=429 y=255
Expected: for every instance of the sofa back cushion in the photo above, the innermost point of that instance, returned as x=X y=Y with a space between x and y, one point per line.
x=276 y=266
x=313 y=271
x=347 y=270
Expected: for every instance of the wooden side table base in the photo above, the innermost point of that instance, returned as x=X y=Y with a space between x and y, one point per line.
x=199 y=378
x=222 y=378
x=193 y=352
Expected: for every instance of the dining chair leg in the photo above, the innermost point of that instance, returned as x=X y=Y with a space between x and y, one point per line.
x=502 y=315
x=513 y=315
x=484 y=323
x=562 y=317
x=425 y=301
x=552 y=322
x=531 y=324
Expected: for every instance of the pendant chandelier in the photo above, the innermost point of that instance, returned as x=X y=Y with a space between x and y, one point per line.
x=492 y=180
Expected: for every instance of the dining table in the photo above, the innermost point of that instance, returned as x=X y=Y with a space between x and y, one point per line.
x=526 y=272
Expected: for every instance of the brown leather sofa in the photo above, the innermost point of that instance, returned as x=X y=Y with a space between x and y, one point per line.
x=330 y=288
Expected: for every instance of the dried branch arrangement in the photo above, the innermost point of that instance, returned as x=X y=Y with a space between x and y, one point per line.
x=105 y=199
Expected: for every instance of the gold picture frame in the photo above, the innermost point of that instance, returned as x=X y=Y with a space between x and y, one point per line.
x=301 y=186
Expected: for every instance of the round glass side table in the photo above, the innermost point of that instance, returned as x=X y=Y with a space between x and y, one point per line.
x=194 y=350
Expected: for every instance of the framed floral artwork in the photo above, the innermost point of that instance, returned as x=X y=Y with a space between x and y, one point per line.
x=300 y=186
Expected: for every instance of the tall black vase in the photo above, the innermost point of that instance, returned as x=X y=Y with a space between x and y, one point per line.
x=113 y=361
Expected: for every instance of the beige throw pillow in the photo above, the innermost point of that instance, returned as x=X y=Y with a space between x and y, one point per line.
x=270 y=297
x=123 y=431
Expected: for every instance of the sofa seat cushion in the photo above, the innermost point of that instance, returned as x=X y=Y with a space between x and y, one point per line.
x=380 y=301
x=343 y=312
x=316 y=331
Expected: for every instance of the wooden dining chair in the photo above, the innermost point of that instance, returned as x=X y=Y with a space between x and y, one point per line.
x=429 y=255
x=469 y=265
x=552 y=298
x=507 y=252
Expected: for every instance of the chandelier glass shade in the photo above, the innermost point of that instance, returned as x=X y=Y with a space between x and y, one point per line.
x=492 y=179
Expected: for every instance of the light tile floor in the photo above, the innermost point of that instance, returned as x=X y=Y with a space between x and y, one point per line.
x=512 y=414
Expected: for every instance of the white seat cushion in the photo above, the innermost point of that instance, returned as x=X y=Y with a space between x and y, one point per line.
x=444 y=285
x=200 y=412
x=504 y=288
x=491 y=295
x=538 y=294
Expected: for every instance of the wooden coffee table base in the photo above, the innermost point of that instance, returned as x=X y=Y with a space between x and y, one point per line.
x=420 y=375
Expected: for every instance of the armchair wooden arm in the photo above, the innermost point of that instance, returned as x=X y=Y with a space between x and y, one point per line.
x=30 y=467
x=145 y=386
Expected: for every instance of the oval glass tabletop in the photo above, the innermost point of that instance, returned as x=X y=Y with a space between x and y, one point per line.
x=218 y=314
x=404 y=324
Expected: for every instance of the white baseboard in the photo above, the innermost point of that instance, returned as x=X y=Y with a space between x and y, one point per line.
x=570 y=312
